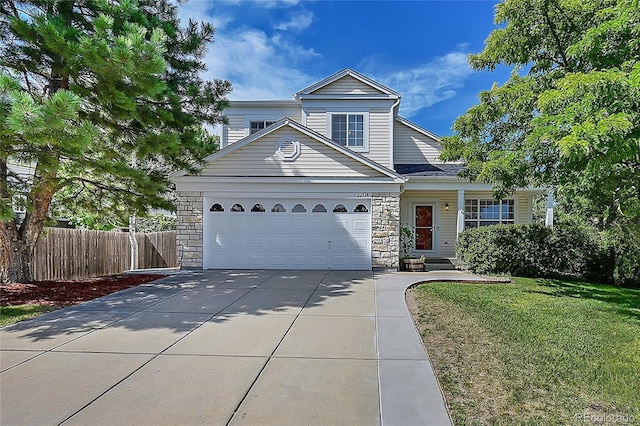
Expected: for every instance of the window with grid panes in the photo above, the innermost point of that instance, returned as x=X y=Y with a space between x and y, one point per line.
x=256 y=126
x=485 y=212
x=348 y=130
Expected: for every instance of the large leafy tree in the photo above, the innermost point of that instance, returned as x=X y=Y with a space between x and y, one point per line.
x=101 y=100
x=569 y=116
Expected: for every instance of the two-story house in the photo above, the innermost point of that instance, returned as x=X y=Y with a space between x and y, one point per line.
x=328 y=180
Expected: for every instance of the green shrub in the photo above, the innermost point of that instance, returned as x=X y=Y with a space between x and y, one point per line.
x=568 y=249
x=623 y=242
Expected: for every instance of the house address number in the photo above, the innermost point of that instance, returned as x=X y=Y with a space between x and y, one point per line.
x=363 y=194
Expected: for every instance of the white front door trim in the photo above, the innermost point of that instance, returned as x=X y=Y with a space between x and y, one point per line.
x=435 y=240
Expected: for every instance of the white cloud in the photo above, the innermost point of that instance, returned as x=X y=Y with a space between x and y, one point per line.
x=202 y=11
x=259 y=67
x=297 y=23
x=428 y=84
x=267 y=4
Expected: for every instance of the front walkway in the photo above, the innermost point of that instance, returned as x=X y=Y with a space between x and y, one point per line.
x=227 y=347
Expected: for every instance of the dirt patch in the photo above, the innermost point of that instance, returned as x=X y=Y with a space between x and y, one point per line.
x=67 y=293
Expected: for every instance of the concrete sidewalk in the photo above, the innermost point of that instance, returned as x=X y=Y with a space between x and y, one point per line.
x=227 y=347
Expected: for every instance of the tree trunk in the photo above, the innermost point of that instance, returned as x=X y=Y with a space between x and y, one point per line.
x=18 y=242
x=15 y=255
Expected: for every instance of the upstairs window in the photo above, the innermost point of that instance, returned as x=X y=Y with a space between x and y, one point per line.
x=348 y=130
x=256 y=126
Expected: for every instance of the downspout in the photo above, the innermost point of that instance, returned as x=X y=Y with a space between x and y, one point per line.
x=391 y=135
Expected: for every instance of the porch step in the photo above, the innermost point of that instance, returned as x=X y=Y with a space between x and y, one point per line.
x=436 y=264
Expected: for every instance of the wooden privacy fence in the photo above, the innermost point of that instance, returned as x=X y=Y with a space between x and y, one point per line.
x=79 y=253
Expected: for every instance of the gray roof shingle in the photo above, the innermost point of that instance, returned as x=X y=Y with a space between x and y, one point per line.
x=429 y=169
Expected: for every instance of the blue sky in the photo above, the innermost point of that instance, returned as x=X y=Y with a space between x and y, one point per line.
x=271 y=49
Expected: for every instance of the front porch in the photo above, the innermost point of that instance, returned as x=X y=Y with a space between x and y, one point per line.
x=433 y=219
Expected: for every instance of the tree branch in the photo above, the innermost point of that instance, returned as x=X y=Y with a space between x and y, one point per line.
x=556 y=37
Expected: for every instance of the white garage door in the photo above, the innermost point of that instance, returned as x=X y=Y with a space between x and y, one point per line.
x=287 y=234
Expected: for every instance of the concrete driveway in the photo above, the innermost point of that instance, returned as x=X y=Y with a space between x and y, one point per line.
x=226 y=347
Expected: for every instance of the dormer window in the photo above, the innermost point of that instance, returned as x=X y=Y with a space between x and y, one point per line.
x=349 y=130
x=256 y=126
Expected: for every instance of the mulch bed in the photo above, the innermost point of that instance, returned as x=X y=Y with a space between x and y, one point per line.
x=67 y=293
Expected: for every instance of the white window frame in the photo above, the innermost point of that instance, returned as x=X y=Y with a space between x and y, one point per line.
x=248 y=118
x=365 y=128
x=488 y=222
x=264 y=123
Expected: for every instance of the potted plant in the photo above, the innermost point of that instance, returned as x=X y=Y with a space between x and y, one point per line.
x=409 y=261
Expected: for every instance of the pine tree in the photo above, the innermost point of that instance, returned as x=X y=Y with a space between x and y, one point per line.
x=84 y=86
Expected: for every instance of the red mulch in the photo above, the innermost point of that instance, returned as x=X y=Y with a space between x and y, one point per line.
x=66 y=293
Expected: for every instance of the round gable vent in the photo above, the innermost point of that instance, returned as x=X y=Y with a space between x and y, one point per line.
x=288 y=149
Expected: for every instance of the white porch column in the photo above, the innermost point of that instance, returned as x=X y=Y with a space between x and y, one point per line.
x=548 y=219
x=460 y=223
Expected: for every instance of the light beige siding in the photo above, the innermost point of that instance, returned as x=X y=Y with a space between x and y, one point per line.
x=379 y=136
x=317 y=120
x=445 y=220
x=258 y=158
x=347 y=85
x=238 y=126
x=234 y=131
x=523 y=208
x=412 y=147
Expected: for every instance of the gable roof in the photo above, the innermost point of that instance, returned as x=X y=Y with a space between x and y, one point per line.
x=305 y=130
x=418 y=128
x=343 y=73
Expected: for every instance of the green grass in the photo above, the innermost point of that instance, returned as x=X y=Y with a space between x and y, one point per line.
x=12 y=314
x=533 y=351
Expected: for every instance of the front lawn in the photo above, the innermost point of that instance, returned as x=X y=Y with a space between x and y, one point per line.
x=533 y=351
x=12 y=314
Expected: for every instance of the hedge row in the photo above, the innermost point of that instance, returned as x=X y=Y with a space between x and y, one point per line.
x=567 y=250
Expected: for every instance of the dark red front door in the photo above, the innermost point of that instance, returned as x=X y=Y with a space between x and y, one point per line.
x=424 y=227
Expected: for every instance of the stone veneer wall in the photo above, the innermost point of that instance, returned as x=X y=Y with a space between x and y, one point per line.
x=189 y=235
x=385 y=230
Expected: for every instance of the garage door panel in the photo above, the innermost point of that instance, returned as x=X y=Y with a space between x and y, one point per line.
x=298 y=223
x=236 y=242
x=340 y=243
x=278 y=243
x=298 y=243
x=259 y=224
x=236 y=222
x=361 y=225
x=278 y=261
x=258 y=260
x=360 y=243
x=285 y=240
x=278 y=224
x=319 y=261
x=257 y=243
x=318 y=243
